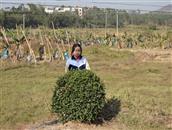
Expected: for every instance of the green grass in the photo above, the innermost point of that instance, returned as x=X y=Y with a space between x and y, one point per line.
x=144 y=89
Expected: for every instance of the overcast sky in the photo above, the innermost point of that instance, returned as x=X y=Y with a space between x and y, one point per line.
x=118 y=4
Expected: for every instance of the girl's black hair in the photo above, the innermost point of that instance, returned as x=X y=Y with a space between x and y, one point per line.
x=75 y=46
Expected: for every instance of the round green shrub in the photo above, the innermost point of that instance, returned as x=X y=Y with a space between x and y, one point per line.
x=78 y=95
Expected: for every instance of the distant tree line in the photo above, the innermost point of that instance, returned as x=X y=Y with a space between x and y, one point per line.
x=92 y=17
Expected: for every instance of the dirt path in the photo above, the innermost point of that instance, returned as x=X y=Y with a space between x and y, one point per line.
x=112 y=125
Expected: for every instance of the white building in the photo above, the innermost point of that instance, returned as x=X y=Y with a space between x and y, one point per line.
x=49 y=10
x=62 y=9
x=78 y=10
x=56 y=8
x=72 y=9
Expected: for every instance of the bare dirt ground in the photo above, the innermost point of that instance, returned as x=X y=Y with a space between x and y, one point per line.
x=112 y=125
x=156 y=55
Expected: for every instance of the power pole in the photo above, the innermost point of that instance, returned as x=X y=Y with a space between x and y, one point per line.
x=1 y=5
x=23 y=17
x=105 y=22
x=117 y=32
x=92 y=4
x=117 y=22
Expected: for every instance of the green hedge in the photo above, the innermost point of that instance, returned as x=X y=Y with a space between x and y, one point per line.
x=78 y=95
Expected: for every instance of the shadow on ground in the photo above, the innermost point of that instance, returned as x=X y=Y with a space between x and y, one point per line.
x=110 y=111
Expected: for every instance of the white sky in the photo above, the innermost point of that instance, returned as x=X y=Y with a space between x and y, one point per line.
x=119 y=4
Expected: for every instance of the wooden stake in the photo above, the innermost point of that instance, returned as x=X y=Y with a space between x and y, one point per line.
x=57 y=43
x=5 y=37
x=49 y=53
x=69 y=46
x=7 y=42
x=42 y=41
x=30 y=49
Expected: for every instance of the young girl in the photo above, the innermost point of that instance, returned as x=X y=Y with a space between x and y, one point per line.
x=77 y=61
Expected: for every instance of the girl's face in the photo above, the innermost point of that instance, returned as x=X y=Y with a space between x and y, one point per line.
x=77 y=52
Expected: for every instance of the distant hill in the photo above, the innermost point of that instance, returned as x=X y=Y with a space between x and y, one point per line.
x=167 y=8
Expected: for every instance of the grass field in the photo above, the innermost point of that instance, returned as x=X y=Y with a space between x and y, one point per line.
x=143 y=88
